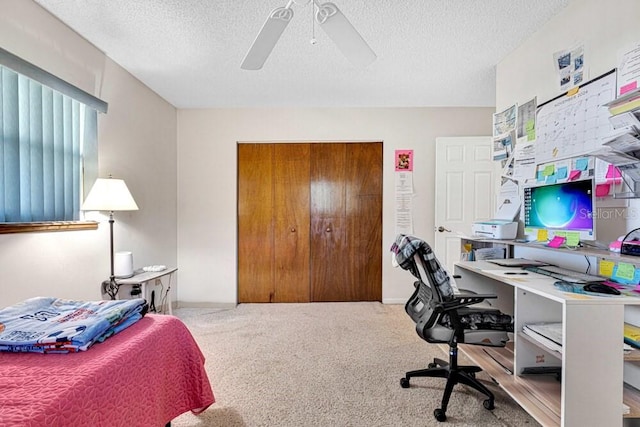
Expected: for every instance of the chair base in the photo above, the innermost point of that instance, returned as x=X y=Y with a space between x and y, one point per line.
x=454 y=374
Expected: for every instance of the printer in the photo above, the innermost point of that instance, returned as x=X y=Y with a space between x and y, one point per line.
x=502 y=226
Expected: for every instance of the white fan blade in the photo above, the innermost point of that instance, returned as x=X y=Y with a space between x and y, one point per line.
x=267 y=38
x=344 y=35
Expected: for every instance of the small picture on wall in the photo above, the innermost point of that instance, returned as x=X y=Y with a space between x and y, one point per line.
x=404 y=160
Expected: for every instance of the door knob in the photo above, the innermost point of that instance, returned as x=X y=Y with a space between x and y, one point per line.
x=328 y=229
x=442 y=229
x=293 y=230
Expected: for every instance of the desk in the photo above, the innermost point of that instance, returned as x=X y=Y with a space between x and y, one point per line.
x=141 y=278
x=592 y=360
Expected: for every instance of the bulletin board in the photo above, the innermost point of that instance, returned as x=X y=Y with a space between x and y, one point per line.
x=577 y=122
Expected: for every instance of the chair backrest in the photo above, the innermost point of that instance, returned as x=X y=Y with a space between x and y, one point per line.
x=416 y=256
x=432 y=287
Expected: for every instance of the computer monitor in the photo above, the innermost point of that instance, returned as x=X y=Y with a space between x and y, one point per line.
x=566 y=206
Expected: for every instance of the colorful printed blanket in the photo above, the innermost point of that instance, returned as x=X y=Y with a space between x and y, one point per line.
x=54 y=325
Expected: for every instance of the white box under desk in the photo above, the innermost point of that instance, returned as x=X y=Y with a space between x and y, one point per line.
x=591 y=390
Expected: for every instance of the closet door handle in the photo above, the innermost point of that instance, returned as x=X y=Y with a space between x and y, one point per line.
x=293 y=230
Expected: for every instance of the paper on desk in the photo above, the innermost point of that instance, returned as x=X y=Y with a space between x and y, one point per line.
x=489 y=253
x=511 y=274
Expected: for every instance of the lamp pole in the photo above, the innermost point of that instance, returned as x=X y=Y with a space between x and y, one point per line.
x=111 y=287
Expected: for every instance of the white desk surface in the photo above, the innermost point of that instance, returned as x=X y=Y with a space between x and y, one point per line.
x=141 y=277
x=541 y=284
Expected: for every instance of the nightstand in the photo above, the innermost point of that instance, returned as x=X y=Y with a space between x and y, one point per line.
x=142 y=278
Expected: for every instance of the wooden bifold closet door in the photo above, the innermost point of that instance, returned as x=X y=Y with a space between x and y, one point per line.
x=309 y=222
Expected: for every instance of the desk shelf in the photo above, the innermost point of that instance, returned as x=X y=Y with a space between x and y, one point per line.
x=584 y=251
x=540 y=396
x=632 y=356
x=554 y=353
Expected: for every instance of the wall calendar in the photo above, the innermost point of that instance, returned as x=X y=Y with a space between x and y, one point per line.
x=577 y=122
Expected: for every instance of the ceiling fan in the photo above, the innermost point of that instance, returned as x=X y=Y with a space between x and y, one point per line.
x=330 y=19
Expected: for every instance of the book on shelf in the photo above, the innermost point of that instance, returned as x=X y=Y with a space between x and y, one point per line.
x=549 y=334
x=627 y=102
x=632 y=335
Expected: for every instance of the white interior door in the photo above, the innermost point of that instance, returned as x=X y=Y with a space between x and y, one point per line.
x=465 y=191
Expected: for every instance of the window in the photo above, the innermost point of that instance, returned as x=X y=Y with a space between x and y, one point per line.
x=48 y=146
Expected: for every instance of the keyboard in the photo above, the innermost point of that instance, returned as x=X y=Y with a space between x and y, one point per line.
x=564 y=274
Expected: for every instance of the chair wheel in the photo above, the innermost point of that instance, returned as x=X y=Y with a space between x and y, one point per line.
x=432 y=365
x=404 y=383
x=488 y=404
x=440 y=415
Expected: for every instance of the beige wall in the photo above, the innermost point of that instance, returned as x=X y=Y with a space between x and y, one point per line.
x=137 y=143
x=605 y=29
x=207 y=178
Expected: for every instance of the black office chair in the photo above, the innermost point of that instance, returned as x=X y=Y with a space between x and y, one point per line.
x=443 y=316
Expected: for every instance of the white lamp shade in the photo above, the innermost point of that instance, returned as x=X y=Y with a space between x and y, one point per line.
x=109 y=194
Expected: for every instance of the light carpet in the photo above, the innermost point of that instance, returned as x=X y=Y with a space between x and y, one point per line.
x=327 y=364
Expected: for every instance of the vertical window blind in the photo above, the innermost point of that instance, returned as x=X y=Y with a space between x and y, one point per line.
x=47 y=140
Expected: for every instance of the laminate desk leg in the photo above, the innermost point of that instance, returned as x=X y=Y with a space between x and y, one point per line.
x=592 y=364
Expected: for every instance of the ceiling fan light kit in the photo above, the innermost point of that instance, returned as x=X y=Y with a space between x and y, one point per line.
x=331 y=20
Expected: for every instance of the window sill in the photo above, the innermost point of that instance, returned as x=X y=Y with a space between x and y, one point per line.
x=33 y=227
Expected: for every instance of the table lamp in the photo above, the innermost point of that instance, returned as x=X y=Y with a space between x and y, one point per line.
x=109 y=194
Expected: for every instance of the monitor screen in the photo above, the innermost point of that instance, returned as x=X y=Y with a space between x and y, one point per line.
x=567 y=206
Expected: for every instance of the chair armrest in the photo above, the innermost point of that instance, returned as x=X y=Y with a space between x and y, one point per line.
x=462 y=300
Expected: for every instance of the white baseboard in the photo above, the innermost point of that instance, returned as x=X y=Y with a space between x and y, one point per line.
x=185 y=304
x=394 y=301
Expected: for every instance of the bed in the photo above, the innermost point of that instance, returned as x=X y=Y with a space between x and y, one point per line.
x=146 y=375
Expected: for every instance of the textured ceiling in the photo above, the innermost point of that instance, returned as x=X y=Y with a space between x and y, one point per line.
x=430 y=52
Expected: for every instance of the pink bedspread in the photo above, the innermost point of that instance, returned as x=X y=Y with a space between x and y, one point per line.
x=146 y=375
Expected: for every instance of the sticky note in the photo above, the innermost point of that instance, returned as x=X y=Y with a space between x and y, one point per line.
x=562 y=172
x=556 y=242
x=575 y=174
x=551 y=179
x=549 y=170
x=606 y=268
x=561 y=233
x=625 y=271
x=540 y=176
x=530 y=129
x=573 y=91
x=602 y=190
x=628 y=87
x=582 y=164
x=542 y=235
x=613 y=172
x=573 y=238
